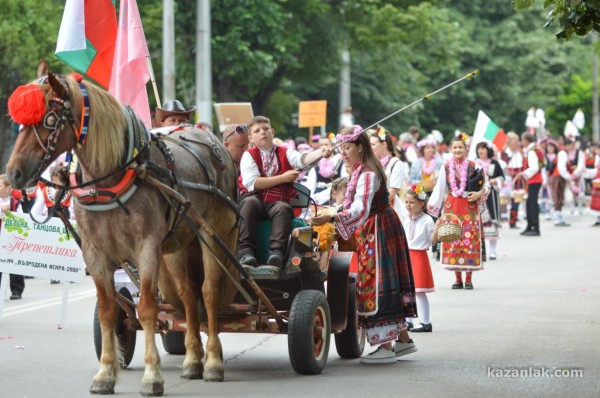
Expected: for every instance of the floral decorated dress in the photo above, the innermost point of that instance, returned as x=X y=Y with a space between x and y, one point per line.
x=385 y=286
x=466 y=253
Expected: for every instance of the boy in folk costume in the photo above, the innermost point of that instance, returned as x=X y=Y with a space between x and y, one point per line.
x=513 y=158
x=466 y=253
x=561 y=174
x=533 y=161
x=267 y=174
x=385 y=287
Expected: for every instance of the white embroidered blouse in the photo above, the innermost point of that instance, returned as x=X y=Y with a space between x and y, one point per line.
x=419 y=231
x=354 y=217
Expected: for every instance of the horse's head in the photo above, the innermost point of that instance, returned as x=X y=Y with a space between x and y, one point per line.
x=45 y=111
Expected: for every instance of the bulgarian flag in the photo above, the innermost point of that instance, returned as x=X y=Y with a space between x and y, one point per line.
x=86 y=39
x=113 y=56
x=486 y=129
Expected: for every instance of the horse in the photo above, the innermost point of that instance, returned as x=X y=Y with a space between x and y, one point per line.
x=122 y=218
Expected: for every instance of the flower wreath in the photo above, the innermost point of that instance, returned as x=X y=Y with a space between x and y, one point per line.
x=382 y=133
x=463 y=137
x=418 y=189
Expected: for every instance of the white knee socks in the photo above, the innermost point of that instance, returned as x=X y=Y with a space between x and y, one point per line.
x=423 y=308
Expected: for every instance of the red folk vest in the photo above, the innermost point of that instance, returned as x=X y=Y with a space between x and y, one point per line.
x=282 y=192
x=537 y=177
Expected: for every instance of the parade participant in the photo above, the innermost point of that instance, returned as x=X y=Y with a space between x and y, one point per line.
x=421 y=235
x=267 y=173
x=7 y=203
x=467 y=253
x=533 y=161
x=406 y=144
x=577 y=171
x=338 y=193
x=395 y=170
x=58 y=176
x=491 y=216
x=329 y=168
x=595 y=197
x=235 y=139
x=514 y=165
x=551 y=158
x=562 y=170
x=173 y=113
x=425 y=169
x=385 y=288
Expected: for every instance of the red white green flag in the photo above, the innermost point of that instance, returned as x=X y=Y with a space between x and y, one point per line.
x=486 y=130
x=86 y=39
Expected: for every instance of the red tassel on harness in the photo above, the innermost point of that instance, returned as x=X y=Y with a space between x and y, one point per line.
x=27 y=105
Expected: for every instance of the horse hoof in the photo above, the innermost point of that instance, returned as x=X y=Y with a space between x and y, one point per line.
x=192 y=372
x=213 y=374
x=102 y=387
x=154 y=389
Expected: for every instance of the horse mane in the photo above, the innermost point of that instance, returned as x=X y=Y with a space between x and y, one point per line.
x=104 y=148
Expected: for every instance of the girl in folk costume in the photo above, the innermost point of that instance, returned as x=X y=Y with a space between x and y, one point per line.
x=395 y=170
x=329 y=168
x=551 y=157
x=491 y=216
x=576 y=168
x=48 y=194
x=425 y=169
x=513 y=157
x=466 y=253
x=421 y=236
x=559 y=174
x=595 y=200
x=385 y=287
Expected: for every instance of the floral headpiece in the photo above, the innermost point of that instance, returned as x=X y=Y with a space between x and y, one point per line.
x=350 y=137
x=382 y=133
x=427 y=141
x=463 y=137
x=418 y=189
x=488 y=144
x=331 y=136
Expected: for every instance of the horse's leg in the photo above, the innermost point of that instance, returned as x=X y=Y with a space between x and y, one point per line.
x=213 y=366
x=182 y=270
x=104 y=381
x=149 y=263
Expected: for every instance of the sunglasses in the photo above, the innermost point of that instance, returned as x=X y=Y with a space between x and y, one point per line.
x=241 y=129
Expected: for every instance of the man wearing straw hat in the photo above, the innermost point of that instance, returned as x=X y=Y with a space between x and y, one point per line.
x=173 y=113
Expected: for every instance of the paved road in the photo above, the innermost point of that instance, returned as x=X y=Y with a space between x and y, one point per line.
x=536 y=306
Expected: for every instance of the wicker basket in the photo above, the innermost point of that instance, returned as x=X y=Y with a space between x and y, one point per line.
x=519 y=195
x=449 y=232
x=504 y=200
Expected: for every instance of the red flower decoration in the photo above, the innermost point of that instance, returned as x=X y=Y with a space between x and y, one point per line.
x=27 y=105
x=76 y=76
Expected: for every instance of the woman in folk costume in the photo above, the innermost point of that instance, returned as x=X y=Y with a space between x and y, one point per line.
x=395 y=170
x=385 y=287
x=492 y=169
x=425 y=170
x=595 y=200
x=451 y=190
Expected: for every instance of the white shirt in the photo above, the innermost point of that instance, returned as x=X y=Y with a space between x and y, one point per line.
x=250 y=172
x=353 y=218
x=533 y=165
x=422 y=228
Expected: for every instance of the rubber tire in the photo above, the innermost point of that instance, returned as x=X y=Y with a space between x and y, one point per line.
x=174 y=343
x=350 y=343
x=308 y=305
x=126 y=338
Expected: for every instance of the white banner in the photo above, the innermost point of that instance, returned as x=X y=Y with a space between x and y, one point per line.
x=41 y=250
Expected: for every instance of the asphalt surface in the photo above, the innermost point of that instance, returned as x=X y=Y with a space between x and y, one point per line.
x=533 y=312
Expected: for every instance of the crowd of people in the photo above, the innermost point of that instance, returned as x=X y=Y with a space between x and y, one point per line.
x=391 y=195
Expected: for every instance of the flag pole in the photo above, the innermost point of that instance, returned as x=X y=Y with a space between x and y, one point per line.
x=425 y=98
x=158 y=103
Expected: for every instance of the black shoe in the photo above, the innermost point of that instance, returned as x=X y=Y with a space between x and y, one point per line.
x=562 y=224
x=423 y=328
x=409 y=326
x=468 y=286
x=457 y=285
x=54 y=281
x=596 y=224
x=16 y=296
x=513 y=226
x=533 y=232
x=276 y=258
x=248 y=259
x=525 y=232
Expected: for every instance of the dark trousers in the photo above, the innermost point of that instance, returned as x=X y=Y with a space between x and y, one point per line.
x=17 y=283
x=532 y=208
x=253 y=209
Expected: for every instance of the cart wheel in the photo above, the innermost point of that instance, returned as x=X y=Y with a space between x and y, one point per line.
x=350 y=343
x=125 y=337
x=174 y=343
x=309 y=331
